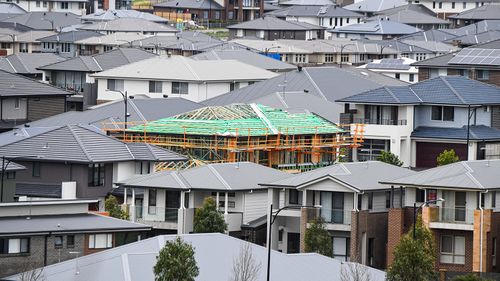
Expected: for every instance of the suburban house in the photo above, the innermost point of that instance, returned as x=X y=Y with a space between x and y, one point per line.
x=369 y=8
x=215 y=254
x=464 y=221
x=44 y=232
x=23 y=100
x=396 y=68
x=63 y=43
x=272 y=28
x=171 y=197
x=348 y=197
x=489 y=11
x=177 y=76
x=8 y=10
x=25 y=42
x=412 y=14
x=101 y=44
x=480 y=62
x=74 y=7
x=130 y=25
x=74 y=74
x=381 y=29
x=201 y=11
x=78 y=156
x=328 y=16
x=447 y=8
x=111 y=14
x=419 y=121
x=27 y=64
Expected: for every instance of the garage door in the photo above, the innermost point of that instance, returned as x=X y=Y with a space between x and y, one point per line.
x=427 y=152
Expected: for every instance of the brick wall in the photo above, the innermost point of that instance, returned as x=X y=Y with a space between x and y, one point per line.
x=394 y=232
x=423 y=74
x=467 y=267
x=494 y=234
x=375 y=226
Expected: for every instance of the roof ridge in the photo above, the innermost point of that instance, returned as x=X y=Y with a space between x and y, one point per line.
x=131 y=102
x=96 y=62
x=452 y=89
x=418 y=97
x=469 y=174
x=8 y=60
x=392 y=94
x=188 y=66
x=80 y=143
x=151 y=150
x=21 y=62
x=314 y=83
x=218 y=176
x=177 y=177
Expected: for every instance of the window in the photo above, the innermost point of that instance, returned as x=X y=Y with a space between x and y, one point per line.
x=100 y=241
x=300 y=58
x=260 y=34
x=434 y=4
x=96 y=174
x=35 y=169
x=70 y=241
x=452 y=249
x=443 y=113
x=387 y=199
x=397 y=76
x=115 y=85
x=45 y=4
x=180 y=88
x=419 y=195
x=64 y=5
x=493 y=199
x=142 y=167
x=65 y=48
x=453 y=5
x=205 y=14
x=329 y=57
x=17 y=103
x=431 y=194
x=14 y=245
x=23 y=47
x=464 y=5
x=411 y=78
x=58 y=242
x=81 y=5
x=38 y=4
x=293 y=196
x=440 y=5
x=344 y=58
x=341 y=248
x=234 y=86
x=494 y=252
x=370 y=200
x=10 y=175
x=217 y=15
x=483 y=75
x=152 y=201
x=155 y=86
x=239 y=33
x=108 y=48
x=464 y=72
x=371 y=252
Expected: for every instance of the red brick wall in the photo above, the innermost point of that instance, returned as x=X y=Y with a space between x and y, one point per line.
x=394 y=232
x=467 y=267
x=423 y=73
x=494 y=233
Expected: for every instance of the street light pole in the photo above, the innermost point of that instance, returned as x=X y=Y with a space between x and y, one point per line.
x=415 y=212
x=272 y=218
x=125 y=98
x=13 y=37
x=342 y=51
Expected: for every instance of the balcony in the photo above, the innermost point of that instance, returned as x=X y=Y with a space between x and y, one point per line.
x=450 y=218
x=391 y=122
x=165 y=218
x=336 y=219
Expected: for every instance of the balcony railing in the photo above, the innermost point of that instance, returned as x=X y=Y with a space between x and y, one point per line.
x=394 y=122
x=456 y=215
x=151 y=213
x=336 y=216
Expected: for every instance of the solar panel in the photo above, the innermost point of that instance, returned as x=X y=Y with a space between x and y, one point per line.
x=477 y=56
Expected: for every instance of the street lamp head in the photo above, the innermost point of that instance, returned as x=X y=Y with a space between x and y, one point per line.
x=128 y=114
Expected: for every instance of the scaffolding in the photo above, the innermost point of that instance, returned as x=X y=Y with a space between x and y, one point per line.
x=240 y=132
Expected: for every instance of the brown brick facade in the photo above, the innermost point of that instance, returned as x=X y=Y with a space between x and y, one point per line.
x=394 y=232
x=467 y=267
x=375 y=227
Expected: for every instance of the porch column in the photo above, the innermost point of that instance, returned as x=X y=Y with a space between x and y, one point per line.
x=132 y=206
x=181 y=214
x=226 y=199
x=217 y=200
x=304 y=197
x=183 y=200
x=125 y=196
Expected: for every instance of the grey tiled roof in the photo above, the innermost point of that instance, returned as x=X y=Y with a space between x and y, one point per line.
x=224 y=176
x=473 y=39
x=475 y=28
x=78 y=144
x=429 y=35
x=379 y=26
x=100 y=62
x=129 y=25
x=374 y=5
x=17 y=85
x=99 y=116
x=479 y=175
x=190 y=4
x=34 y=20
x=245 y=56
x=410 y=16
x=70 y=36
x=453 y=90
x=272 y=23
x=489 y=11
x=68 y=223
x=27 y=63
x=115 y=14
x=439 y=61
x=315 y=11
x=479 y=132
x=357 y=175
x=38 y=190
x=11 y=166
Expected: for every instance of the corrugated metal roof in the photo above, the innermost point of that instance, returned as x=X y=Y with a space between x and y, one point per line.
x=43 y=20
x=129 y=25
x=410 y=14
x=71 y=223
x=452 y=90
x=223 y=176
x=488 y=11
x=477 y=132
x=27 y=63
x=74 y=143
x=377 y=27
x=115 y=14
x=31 y=36
x=330 y=10
x=479 y=175
x=360 y=176
x=70 y=36
x=190 y=4
x=375 y=5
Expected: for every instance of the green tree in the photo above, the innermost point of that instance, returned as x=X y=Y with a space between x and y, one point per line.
x=447 y=157
x=113 y=208
x=208 y=219
x=414 y=259
x=176 y=262
x=390 y=158
x=470 y=277
x=317 y=239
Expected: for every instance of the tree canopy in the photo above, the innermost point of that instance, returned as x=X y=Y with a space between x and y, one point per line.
x=390 y=158
x=447 y=157
x=113 y=208
x=176 y=262
x=317 y=239
x=208 y=219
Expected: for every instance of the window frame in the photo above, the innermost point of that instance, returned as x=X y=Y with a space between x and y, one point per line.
x=180 y=88
x=92 y=242
x=295 y=197
x=117 y=84
x=68 y=239
x=155 y=86
x=58 y=241
x=441 y=115
x=152 y=207
x=5 y=246
x=453 y=254
x=100 y=168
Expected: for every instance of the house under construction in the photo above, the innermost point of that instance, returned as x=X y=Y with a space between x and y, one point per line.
x=246 y=132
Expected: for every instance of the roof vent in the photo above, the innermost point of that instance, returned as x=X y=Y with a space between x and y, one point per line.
x=299 y=68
